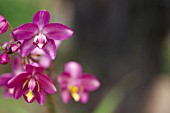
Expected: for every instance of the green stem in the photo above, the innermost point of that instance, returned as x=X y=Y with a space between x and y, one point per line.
x=10 y=27
x=51 y=104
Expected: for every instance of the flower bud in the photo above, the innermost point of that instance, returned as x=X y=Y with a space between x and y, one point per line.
x=4 y=58
x=14 y=47
x=4 y=45
x=3 y=25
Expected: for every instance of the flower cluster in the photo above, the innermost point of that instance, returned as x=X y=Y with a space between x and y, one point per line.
x=36 y=43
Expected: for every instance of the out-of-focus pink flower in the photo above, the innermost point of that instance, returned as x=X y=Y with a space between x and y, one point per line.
x=4 y=58
x=3 y=25
x=32 y=85
x=4 y=78
x=17 y=68
x=40 y=33
x=76 y=84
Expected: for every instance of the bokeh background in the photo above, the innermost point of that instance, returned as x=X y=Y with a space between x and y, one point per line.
x=126 y=43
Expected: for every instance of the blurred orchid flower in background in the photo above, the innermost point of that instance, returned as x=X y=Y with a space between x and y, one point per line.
x=17 y=68
x=76 y=84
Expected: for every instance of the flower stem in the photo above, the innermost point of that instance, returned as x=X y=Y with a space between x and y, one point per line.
x=51 y=104
x=10 y=27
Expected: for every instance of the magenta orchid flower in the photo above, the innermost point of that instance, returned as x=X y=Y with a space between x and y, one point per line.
x=18 y=68
x=76 y=84
x=3 y=25
x=40 y=33
x=32 y=84
x=4 y=78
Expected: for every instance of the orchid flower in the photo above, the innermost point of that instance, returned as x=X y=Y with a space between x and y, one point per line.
x=76 y=84
x=32 y=84
x=42 y=34
x=18 y=68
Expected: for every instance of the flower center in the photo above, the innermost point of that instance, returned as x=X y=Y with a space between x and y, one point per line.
x=32 y=85
x=40 y=40
x=29 y=95
x=74 y=92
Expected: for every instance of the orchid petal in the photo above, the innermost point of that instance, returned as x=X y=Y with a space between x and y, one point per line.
x=41 y=18
x=27 y=47
x=65 y=95
x=50 y=49
x=57 y=31
x=45 y=83
x=64 y=79
x=25 y=31
x=57 y=43
x=19 y=91
x=84 y=97
x=44 y=61
x=31 y=84
x=17 y=66
x=18 y=79
x=41 y=96
x=4 y=78
x=89 y=82
x=32 y=69
x=73 y=68
x=8 y=92
x=38 y=51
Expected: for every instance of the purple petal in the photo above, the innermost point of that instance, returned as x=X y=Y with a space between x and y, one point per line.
x=17 y=66
x=64 y=79
x=41 y=96
x=31 y=84
x=25 y=31
x=4 y=78
x=41 y=18
x=45 y=83
x=57 y=31
x=33 y=69
x=18 y=79
x=84 y=97
x=89 y=82
x=8 y=92
x=73 y=68
x=19 y=91
x=50 y=49
x=27 y=47
x=57 y=43
x=65 y=95
x=38 y=51
x=44 y=61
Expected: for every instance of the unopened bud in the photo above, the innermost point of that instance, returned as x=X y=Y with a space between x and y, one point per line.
x=4 y=45
x=14 y=48
x=4 y=58
x=3 y=25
